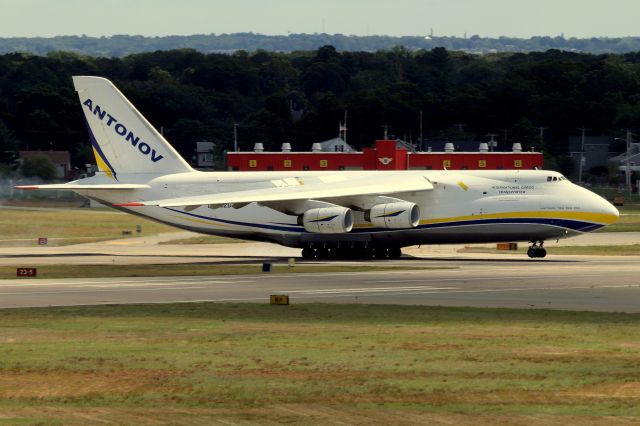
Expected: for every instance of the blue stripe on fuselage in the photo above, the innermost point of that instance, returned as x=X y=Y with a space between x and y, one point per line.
x=575 y=225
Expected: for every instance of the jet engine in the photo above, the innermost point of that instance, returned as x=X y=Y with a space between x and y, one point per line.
x=328 y=220
x=400 y=215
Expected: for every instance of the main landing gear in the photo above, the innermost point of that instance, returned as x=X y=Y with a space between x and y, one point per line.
x=350 y=251
x=537 y=250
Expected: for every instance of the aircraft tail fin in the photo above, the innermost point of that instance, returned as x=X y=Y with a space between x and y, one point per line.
x=123 y=141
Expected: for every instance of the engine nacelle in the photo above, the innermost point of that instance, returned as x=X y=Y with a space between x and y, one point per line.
x=328 y=220
x=401 y=215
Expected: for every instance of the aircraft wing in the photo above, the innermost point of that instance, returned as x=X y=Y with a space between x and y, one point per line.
x=77 y=186
x=302 y=191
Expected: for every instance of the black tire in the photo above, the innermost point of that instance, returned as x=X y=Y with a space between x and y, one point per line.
x=532 y=252
x=541 y=252
x=322 y=253
x=368 y=253
x=381 y=252
x=395 y=253
x=342 y=253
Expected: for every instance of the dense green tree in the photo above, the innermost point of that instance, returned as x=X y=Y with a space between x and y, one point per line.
x=300 y=97
x=8 y=147
x=39 y=166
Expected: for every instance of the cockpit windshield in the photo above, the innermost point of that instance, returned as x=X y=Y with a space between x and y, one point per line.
x=556 y=178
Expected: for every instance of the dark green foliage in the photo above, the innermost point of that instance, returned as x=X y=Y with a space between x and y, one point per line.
x=300 y=97
x=39 y=166
x=8 y=147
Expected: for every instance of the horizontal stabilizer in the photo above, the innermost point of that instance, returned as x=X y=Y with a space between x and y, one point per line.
x=76 y=186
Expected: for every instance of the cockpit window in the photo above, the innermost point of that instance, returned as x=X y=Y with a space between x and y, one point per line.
x=555 y=178
x=549 y=178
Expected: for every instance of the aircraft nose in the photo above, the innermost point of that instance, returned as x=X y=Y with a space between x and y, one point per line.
x=611 y=209
x=605 y=207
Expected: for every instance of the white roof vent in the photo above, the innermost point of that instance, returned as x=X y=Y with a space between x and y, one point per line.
x=286 y=147
x=258 y=147
x=316 y=147
x=517 y=147
x=484 y=147
x=448 y=147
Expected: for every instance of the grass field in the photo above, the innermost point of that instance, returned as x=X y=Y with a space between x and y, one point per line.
x=201 y=364
x=623 y=250
x=70 y=226
x=204 y=239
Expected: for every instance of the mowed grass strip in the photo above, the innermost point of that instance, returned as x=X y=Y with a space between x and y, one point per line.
x=195 y=269
x=317 y=363
x=69 y=226
x=622 y=250
x=204 y=239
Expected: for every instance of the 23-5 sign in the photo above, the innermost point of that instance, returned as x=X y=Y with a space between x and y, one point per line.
x=27 y=272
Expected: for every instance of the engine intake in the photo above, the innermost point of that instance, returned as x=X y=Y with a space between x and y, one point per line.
x=328 y=220
x=401 y=215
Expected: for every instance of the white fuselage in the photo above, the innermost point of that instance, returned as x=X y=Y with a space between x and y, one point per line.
x=463 y=207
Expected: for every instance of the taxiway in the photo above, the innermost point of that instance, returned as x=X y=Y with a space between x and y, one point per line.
x=597 y=283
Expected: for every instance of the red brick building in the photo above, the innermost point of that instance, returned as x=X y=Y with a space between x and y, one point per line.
x=386 y=155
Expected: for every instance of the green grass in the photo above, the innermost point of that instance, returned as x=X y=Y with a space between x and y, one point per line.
x=314 y=363
x=70 y=226
x=204 y=239
x=623 y=250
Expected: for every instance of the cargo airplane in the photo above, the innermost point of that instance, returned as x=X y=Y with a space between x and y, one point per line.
x=328 y=214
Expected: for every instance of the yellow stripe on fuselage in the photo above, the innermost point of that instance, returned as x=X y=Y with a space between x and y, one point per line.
x=601 y=218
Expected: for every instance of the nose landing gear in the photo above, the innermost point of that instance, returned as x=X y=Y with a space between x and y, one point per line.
x=537 y=251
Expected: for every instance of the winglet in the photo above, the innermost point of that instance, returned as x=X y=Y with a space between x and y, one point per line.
x=129 y=205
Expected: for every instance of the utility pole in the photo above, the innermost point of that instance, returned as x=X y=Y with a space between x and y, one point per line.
x=235 y=137
x=386 y=131
x=492 y=143
x=582 y=159
x=506 y=138
x=421 y=135
x=542 y=129
x=628 y=165
x=345 y=126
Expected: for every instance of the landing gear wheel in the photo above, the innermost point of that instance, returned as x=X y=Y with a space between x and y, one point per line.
x=395 y=253
x=322 y=253
x=536 y=251
x=380 y=252
x=307 y=253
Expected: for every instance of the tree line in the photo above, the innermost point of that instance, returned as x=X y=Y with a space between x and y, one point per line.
x=301 y=97
x=123 y=45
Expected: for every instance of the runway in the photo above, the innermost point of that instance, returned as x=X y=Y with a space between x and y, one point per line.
x=572 y=282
